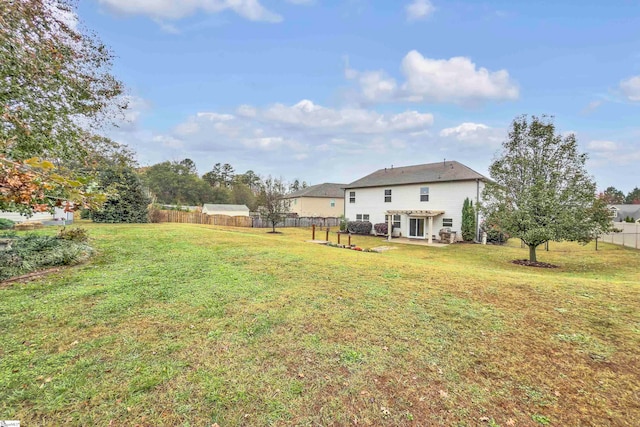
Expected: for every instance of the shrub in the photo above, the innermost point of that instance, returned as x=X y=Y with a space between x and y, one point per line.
x=80 y=235
x=343 y=223
x=34 y=252
x=381 y=228
x=494 y=235
x=6 y=224
x=468 y=227
x=155 y=214
x=359 y=227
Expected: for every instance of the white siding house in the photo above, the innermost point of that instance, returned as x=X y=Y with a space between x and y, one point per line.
x=416 y=200
x=57 y=215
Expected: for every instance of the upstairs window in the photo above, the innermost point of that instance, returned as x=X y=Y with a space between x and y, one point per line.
x=352 y=196
x=332 y=203
x=387 y=196
x=424 y=194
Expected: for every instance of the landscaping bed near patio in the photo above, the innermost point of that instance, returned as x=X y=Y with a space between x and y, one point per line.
x=177 y=324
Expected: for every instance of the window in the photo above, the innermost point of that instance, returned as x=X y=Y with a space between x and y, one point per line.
x=333 y=203
x=395 y=221
x=447 y=222
x=387 y=196
x=424 y=194
x=362 y=217
x=352 y=196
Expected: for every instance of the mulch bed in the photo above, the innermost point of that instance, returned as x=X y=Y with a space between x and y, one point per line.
x=528 y=263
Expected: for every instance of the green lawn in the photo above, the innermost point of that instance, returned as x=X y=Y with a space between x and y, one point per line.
x=175 y=324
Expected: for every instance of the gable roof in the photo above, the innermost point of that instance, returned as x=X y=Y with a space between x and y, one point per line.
x=224 y=208
x=327 y=189
x=418 y=174
x=627 y=210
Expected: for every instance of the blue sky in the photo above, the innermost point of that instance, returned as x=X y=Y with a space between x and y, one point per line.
x=325 y=90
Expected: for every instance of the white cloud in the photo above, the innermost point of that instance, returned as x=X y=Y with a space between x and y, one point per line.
x=419 y=9
x=306 y=114
x=476 y=134
x=600 y=145
x=168 y=141
x=631 y=88
x=173 y=10
x=456 y=80
x=592 y=106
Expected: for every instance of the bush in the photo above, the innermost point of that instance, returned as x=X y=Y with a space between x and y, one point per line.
x=359 y=227
x=34 y=252
x=495 y=236
x=155 y=214
x=80 y=235
x=343 y=223
x=6 y=224
x=381 y=228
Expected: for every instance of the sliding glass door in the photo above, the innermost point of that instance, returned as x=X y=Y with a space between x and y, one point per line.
x=416 y=227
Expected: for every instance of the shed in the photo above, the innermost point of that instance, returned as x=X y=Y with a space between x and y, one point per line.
x=223 y=209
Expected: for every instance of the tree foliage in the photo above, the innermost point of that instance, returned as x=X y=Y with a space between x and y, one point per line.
x=612 y=196
x=273 y=206
x=633 y=198
x=179 y=183
x=127 y=199
x=468 y=227
x=55 y=90
x=541 y=190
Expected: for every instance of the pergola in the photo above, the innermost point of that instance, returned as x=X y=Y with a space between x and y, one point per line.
x=413 y=214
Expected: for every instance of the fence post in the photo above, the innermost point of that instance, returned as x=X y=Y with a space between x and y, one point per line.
x=327 y=239
x=349 y=239
x=338 y=237
x=313 y=232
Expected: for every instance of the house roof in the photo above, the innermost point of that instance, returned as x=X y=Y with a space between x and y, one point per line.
x=224 y=208
x=627 y=210
x=418 y=174
x=327 y=189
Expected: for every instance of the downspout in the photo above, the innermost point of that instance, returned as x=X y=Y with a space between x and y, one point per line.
x=477 y=210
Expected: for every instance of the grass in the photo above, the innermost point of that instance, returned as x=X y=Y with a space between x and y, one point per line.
x=193 y=325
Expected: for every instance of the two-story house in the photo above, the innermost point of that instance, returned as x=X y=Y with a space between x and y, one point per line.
x=322 y=200
x=417 y=201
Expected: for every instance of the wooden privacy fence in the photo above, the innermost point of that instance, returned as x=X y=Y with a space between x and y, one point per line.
x=200 y=218
x=303 y=221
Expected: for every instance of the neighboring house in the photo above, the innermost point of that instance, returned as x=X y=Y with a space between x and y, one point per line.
x=322 y=200
x=416 y=200
x=57 y=215
x=620 y=212
x=230 y=210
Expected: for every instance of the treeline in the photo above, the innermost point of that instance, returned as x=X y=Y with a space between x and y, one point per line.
x=613 y=196
x=178 y=183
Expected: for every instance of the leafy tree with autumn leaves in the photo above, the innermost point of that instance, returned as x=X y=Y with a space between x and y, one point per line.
x=56 y=90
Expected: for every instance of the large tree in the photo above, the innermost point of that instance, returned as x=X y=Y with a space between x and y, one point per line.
x=612 y=196
x=633 y=198
x=540 y=189
x=127 y=199
x=56 y=89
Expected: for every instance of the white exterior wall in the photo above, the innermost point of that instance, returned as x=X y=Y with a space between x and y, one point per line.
x=228 y=213
x=444 y=196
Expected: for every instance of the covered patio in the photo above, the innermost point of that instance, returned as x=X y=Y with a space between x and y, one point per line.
x=427 y=215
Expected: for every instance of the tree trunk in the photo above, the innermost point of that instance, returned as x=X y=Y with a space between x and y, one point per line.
x=273 y=226
x=532 y=253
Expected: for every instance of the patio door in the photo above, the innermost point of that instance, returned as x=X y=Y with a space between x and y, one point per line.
x=416 y=227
